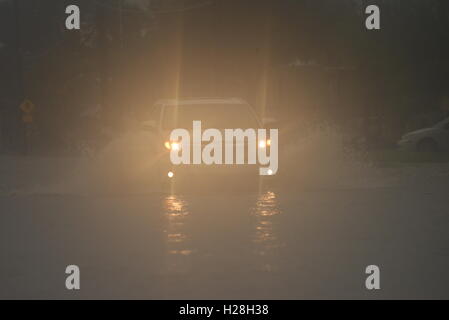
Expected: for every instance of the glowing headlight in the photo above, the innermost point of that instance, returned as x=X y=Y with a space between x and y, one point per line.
x=175 y=146
x=264 y=144
x=172 y=145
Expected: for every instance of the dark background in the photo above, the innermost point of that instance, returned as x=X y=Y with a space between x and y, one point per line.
x=301 y=61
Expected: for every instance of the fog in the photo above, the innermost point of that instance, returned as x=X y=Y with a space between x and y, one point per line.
x=80 y=176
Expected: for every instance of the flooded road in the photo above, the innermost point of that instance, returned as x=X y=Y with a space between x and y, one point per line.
x=271 y=244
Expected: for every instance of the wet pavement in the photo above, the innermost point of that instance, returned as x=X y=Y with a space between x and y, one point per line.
x=267 y=244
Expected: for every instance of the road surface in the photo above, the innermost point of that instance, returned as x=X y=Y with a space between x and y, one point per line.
x=280 y=242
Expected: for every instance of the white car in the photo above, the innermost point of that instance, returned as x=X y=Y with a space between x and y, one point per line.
x=431 y=139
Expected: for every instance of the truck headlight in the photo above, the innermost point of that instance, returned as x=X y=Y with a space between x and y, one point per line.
x=264 y=143
x=172 y=145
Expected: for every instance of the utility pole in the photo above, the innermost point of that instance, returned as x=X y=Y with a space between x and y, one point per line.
x=103 y=56
x=121 y=23
x=17 y=130
x=18 y=48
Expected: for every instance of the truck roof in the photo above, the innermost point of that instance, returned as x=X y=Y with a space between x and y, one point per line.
x=190 y=101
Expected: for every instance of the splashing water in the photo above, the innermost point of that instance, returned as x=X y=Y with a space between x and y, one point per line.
x=320 y=160
x=127 y=166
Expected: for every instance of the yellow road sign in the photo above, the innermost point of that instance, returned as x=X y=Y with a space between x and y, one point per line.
x=27 y=106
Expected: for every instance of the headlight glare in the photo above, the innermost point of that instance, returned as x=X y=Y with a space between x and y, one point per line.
x=172 y=145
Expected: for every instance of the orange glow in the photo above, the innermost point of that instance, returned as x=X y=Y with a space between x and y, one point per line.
x=167 y=145
x=172 y=145
x=264 y=144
